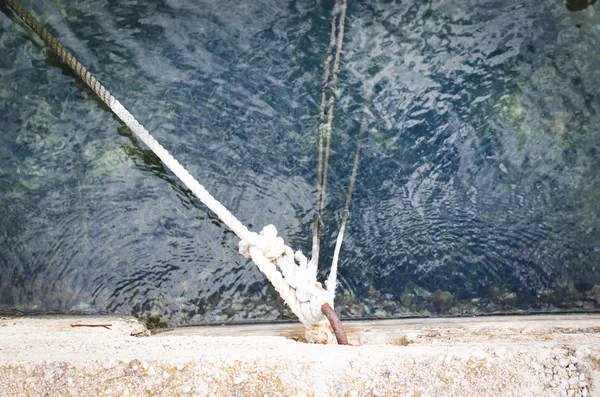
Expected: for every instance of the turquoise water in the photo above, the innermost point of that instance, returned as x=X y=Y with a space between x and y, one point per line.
x=477 y=192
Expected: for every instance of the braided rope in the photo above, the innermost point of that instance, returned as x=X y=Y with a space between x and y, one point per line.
x=329 y=126
x=296 y=283
x=323 y=158
x=316 y=235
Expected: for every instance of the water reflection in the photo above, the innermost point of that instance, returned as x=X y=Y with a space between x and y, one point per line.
x=477 y=190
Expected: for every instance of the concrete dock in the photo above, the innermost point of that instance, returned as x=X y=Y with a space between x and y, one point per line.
x=553 y=355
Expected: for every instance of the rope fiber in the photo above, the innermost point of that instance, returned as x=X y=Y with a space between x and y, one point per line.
x=295 y=282
x=324 y=132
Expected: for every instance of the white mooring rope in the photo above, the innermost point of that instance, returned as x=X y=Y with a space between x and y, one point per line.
x=295 y=282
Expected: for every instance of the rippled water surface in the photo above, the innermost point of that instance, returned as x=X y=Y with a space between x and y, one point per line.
x=477 y=192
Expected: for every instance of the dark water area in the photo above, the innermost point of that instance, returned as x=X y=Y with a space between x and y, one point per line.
x=478 y=189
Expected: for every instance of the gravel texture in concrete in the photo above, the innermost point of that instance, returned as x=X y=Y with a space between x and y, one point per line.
x=493 y=356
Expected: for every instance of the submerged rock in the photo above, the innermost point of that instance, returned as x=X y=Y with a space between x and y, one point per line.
x=502 y=296
x=595 y=293
x=511 y=110
x=106 y=161
x=440 y=301
x=31 y=174
x=421 y=292
x=407 y=299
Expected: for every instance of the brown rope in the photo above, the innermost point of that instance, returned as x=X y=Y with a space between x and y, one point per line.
x=329 y=127
x=65 y=55
x=321 y=132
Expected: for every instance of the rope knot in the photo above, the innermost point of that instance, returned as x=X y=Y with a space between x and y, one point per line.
x=296 y=282
x=271 y=245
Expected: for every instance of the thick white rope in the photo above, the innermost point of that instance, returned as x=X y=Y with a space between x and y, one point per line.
x=296 y=283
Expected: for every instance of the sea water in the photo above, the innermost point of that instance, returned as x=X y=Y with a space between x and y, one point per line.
x=477 y=190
